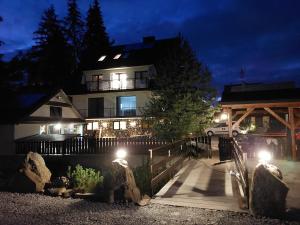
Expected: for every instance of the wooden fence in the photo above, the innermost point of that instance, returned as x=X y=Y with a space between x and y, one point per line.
x=167 y=160
x=88 y=145
x=230 y=149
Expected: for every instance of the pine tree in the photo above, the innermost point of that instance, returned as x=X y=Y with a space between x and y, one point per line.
x=74 y=32
x=3 y=76
x=182 y=99
x=51 y=54
x=96 y=40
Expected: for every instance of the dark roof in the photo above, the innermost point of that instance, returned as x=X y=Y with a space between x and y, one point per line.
x=15 y=107
x=274 y=93
x=137 y=54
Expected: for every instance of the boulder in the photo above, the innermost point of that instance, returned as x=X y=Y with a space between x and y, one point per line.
x=123 y=183
x=58 y=182
x=32 y=175
x=268 y=192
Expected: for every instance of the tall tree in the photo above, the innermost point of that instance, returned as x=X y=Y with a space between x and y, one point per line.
x=96 y=40
x=51 y=54
x=3 y=75
x=74 y=31
x=182 y=99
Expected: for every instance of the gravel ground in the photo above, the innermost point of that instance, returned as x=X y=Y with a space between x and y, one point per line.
x=19 y=209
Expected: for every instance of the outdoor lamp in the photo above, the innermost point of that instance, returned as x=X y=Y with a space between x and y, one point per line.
x=217 y=120
x=264 y=156
x=224 y=116
x=121 y=153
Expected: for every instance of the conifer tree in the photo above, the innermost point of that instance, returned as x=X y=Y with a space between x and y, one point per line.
x=51 y=54
x=3 y=77
x=96 y=40
x=182 y=99
x=74 y=32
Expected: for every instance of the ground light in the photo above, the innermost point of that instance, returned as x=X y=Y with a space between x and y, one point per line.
x=121 y=153
x=264 y=156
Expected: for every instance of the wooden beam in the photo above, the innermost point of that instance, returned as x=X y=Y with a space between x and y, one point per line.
x=229 y=111
x=293 y=137
x=243 y=117
x=276 y=116
x=233 y=105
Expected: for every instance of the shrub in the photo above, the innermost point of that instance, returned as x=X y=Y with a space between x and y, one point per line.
x=142 y=178
x=85 y=179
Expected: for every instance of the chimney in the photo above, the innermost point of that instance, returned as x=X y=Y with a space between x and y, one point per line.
x=149 y=40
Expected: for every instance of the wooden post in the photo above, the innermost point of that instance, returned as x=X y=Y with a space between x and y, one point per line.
x=293 y=138
x=229 y=111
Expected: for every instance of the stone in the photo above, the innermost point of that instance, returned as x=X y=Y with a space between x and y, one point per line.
x=32 y=175
x=268 y=192
x=60 y=182
x=123 y=182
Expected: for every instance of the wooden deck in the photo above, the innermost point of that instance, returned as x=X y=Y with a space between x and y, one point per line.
x=202 y=183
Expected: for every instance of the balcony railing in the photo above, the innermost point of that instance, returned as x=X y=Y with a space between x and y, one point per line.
x=110 y=85
x=113 y=112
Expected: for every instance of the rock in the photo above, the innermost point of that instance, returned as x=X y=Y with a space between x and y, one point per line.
x=124 y=183
x=32 y=175
x=58 y=182
x=268 y=192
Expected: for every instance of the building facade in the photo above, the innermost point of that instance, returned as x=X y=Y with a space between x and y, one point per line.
x=118 y=87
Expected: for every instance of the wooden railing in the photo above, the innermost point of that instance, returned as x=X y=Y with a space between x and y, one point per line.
x=88 y=145
x=167 y=160
x=230 y=149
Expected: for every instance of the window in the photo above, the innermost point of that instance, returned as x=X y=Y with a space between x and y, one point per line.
x=141 y=75
x=120 y=125
x=102 y=58
x=126 y=106
x=95 y=107
x=117 y=56
x=55 y=112
x=118 y=81
x=141 y=78
x=95 y=83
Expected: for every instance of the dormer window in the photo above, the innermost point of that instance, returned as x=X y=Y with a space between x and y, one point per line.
x=102 y=58
x=117 y=56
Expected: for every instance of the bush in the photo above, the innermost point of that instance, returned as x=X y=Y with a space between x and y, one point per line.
x=85 y=179
x=142 y=178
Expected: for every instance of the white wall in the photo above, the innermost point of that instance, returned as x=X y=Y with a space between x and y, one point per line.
x=43 y=111
x=7 y=140
x=110 y=99
x=24 y=130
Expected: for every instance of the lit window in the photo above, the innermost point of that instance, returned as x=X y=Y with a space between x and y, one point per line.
x=123 y=125
x=117 y=125
x=102 y=58
x=120 y=125
x=126 y=106
x=117 y=56
x=95 y=126
x=89 y=126
x=119 y=81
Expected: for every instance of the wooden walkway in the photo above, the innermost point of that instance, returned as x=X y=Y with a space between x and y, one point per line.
x=203 y=183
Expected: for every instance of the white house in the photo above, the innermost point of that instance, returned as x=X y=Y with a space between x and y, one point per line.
x=36 y=114
x=118 y=88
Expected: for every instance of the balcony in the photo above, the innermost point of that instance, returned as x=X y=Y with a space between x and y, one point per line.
x=113 y=85
x=113 y=112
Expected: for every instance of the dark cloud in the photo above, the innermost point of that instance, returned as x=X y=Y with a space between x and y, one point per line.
x=261 y=36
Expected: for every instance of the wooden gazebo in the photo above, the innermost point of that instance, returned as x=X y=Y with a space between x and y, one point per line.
x=239 y=101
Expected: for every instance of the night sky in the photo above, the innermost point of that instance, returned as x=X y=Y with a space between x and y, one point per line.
x=261 y=36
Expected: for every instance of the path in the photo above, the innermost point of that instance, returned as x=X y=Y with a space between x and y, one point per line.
x=203 y=183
